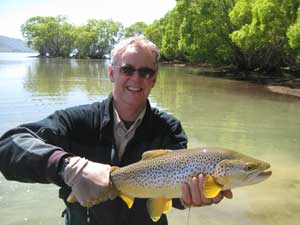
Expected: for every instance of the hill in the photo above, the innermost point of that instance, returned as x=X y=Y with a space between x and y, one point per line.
x=8 y=44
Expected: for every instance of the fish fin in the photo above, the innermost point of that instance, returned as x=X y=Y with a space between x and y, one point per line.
x=155 y=153
x=211 y=188
x=168 y=206
x=71 y=198
x=114 y=168
x=128 y=200
x=156 y=207
x=110 y=193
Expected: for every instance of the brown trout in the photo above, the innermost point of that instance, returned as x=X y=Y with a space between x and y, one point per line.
x=161 y=173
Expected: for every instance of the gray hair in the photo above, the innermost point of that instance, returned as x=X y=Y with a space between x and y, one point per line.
x=138 y=41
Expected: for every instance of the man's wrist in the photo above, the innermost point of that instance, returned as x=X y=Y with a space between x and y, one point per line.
x=63 y=164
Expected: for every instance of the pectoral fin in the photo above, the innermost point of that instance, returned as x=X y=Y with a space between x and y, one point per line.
x=154 y=153
x=71 y=198
x=128 y=200
x=156 y=207
x=211 y=188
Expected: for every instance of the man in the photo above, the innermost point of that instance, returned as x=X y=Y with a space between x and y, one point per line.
x=76 y=147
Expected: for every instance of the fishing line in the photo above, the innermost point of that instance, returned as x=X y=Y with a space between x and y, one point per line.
x=189 y=215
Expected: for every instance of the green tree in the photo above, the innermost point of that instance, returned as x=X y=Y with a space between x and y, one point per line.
x=135 y=29
x=204 y=31
x=195 y=31
x=51 y=36
x=84 y=39
x=241 y=13
x=154 y=32
x=293 y=35
x=170 y=37
x=251 y=34
x=105 y=34
x=263 y=39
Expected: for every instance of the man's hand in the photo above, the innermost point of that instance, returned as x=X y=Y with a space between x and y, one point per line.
x=193 y=193
x=88 y=180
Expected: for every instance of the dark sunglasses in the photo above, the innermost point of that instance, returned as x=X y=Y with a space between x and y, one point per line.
x=144 y=72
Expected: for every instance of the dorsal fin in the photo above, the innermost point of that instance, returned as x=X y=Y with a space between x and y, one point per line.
x=155 y=153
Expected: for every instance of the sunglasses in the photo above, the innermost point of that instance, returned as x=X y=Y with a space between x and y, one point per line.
x=144 y=72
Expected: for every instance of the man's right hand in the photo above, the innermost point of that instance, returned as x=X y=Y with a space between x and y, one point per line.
x=193 y=193
x=88 y=180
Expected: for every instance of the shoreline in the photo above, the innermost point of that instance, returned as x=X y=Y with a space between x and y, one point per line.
x=284 y=90
x=286 y=82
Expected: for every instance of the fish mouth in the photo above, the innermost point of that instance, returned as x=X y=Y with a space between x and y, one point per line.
x=265 y=174
x=260 y=175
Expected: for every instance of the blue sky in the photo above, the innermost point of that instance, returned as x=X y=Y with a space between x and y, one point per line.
x=13 y=13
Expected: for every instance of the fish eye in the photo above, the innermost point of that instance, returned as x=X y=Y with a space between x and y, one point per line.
x=249 y=167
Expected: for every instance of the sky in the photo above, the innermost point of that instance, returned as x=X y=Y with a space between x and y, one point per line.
x=13 y=13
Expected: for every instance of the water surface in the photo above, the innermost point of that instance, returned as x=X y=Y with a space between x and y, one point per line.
x=214 y=112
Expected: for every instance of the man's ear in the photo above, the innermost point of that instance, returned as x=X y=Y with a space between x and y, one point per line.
x=111 y=73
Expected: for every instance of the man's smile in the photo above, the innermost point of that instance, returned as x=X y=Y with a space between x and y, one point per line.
x=134 y=89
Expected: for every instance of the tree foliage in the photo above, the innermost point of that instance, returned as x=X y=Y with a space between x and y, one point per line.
x=55 y=37
x=154 y=32
x=106 y=33
x=49 y=35
x=293 y=35
x=251 y=34
x=263 y=39
x=135 y=29
x=204 y=31
x=259 y=35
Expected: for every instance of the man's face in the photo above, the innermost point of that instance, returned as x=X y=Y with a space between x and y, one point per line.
x=132 y=90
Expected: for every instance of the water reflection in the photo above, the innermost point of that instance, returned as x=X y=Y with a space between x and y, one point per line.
x=59 y=77
x=214 y=112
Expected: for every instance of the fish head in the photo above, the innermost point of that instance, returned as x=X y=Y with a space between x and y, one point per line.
x=241 y=171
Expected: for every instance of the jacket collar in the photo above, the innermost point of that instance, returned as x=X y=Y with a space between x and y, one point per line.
x=107 y=117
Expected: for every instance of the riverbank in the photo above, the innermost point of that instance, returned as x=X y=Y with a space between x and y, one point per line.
x=284 y=82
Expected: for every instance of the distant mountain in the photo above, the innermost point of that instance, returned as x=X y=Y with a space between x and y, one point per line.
x=8 y=44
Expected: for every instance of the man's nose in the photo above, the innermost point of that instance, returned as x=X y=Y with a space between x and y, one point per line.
x=136 y=75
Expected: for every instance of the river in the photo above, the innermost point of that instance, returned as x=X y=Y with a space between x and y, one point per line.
x=213 y=111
